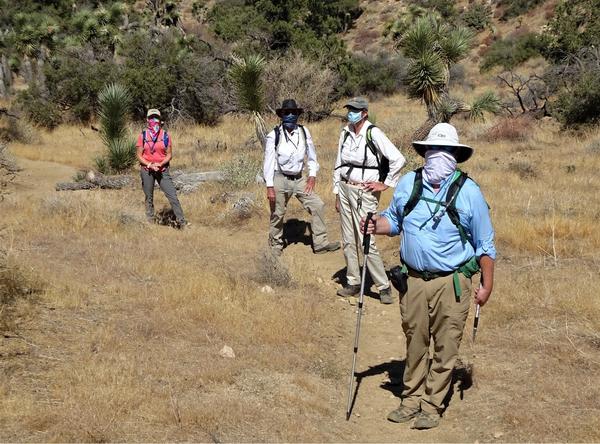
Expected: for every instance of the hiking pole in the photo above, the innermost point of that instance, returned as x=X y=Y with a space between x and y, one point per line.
x=366 y=245
x=477 y=312
x=476 y=320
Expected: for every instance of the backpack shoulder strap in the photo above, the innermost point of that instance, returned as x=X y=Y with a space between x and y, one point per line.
x=451 y=195
x=277 y=136
x=416 y=193
x=303 y=132
x=346 y=135
x=166 y=139
x=370 y=142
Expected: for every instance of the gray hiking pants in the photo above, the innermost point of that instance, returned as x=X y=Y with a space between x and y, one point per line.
x=166 y=185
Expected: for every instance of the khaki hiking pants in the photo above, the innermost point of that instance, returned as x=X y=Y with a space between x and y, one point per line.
x=285 y=188
x=430 y=313
x=354 y=205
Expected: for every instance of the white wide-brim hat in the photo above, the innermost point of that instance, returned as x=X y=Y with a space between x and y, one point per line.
x=443 y=135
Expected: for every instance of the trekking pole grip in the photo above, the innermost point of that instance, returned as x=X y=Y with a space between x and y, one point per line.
x=367 y=237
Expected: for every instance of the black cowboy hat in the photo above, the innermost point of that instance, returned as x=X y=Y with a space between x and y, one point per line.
x=288 y=105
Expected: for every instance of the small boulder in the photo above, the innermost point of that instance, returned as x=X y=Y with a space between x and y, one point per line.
x=227 y=352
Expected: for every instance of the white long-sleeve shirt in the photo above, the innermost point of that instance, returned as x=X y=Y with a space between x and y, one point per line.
x=290 y=156
x=353 y=152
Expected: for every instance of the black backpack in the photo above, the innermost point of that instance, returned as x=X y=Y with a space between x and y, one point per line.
x=383 y=163
x=448 y=204
x=278 y=130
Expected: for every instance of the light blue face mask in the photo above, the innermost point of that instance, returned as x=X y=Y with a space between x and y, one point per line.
x=354 y=116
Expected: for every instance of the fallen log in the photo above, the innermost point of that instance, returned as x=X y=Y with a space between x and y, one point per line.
x=184 y=182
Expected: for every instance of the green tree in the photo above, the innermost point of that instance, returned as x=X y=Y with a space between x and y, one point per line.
x=432 y=47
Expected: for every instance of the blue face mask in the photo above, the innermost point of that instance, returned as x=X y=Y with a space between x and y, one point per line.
x=290 y=121
x=354 y=116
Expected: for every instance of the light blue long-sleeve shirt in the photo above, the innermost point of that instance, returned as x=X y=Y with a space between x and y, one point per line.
x=437 y=246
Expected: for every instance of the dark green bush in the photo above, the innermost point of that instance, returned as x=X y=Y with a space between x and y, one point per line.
x=75 y=77
x=378 y=74
x=446 y=8
x=38 y=109
x=511 y=52
x=514 y=8
x=478 y=16
x=580 y=104
x=575 y=25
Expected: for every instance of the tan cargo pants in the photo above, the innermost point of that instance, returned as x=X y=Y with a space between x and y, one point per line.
x=354 y=205
x=285 y=188
x=430 y=313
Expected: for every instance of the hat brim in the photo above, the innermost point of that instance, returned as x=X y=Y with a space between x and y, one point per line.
x=279 y=111
x=462 y=152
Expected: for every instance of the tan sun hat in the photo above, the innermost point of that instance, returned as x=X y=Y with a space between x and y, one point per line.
x=444 y=135
x=153 y=112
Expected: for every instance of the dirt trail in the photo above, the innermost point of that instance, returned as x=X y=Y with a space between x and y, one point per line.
x=381 y=349
x=38 y=177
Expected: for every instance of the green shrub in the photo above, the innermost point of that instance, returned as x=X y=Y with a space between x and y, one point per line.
x=575 y=25
x=514 y=8
x=446 y=8
x=580 y=104
x=373 y=74
x=38 y=109
x=511 y=52
x=478 y=16
x=240 y=171
x=121 y=155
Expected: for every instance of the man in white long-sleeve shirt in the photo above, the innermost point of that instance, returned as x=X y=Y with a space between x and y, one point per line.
x=367 y=164
x=286 y=148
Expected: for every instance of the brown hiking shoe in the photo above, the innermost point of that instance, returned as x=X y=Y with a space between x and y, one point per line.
x=426 y=421
x=331 y=246
x=349 y=290
x=402 y=414
x=385 y=296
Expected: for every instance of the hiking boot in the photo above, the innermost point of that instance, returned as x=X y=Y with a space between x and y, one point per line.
x=349 y=290
x=426 y=421
x=385 y=296
x=182 y=225
x=402 y=414
x=331 y=246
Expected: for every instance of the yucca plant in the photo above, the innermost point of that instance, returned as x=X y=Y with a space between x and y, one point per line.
x=113 y=115
x=432 y=47
x=246 y=76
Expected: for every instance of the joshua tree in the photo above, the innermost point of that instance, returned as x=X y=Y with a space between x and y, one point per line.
x=246 y=74
x=432 y=47
x=114 y=105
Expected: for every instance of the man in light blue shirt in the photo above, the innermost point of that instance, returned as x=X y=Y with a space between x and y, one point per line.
x=447 y=237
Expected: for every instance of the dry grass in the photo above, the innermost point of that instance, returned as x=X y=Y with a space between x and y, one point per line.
x=123 y=341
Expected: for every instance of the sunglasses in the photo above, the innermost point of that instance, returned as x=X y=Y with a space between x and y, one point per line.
x=447 y=149
x=287 y=112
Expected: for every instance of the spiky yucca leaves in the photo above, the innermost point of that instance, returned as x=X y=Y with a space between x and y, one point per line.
x=113 y=114
x=114 y=104
x=432 y=47
x=246 y=75
x=488 y=102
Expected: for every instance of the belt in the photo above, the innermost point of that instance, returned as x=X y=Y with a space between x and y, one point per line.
x=291 y=176
x=468 y=269
x=349 y=182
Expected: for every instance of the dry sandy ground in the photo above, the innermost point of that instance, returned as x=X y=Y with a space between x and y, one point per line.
x=478 y=414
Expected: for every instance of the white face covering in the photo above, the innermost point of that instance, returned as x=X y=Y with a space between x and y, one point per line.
x=438 y=166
